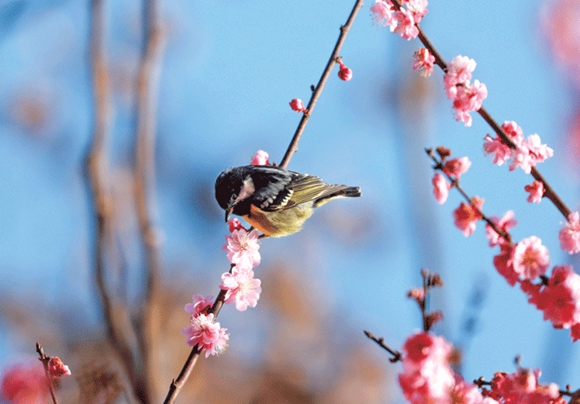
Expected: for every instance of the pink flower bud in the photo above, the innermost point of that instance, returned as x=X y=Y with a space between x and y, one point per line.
x=297 y=105
x=344 y=73
x=57 y=368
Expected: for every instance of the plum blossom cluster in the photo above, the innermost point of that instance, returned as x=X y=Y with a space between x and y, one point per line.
x=466 y=96
x=558 y=298
x=203 y=330
x=242 y=249
x=527 y=153
x=522 y=387
x=402 y=21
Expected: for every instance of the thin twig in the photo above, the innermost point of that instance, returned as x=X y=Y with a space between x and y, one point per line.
x=396 y=354
x=45 y=359
x=549 y=191
x=293 y=147
x=455 y=184
x=96 y=164
x=144 y=177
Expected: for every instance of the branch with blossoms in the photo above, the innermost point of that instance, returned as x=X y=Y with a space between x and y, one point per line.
x=53 y=369
x=239 y=286
x=403 y=18
x=428 y=375
x=558 y=296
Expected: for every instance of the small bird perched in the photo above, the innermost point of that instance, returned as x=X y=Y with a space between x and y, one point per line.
x=274 y=200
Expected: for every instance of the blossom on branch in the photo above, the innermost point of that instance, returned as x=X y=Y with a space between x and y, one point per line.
x=467 y=215
x=569 y=235
x=344 y=73
x=261 y=157
x=536 y=190
x=441 y=188
x=522 y=387
x=427 y=376
x=424 y=61
x=242 y=248
x=503 y=263
x=207 y=334
x=506 y=223
x=531 y=259
x=297 y=105
x=401 y=21
x=456 y=167
x=466 y=97
x=200 y=305
x=242 y=288
x=57 y=368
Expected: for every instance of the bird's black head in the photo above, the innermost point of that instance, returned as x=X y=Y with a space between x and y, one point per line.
x=231 y=191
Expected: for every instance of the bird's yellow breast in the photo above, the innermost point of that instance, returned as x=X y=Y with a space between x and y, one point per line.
x=280 y=223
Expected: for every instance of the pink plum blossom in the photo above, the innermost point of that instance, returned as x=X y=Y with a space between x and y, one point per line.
x=207 y=334
x=466 y=216
x=424 y=61
x=531 y=259
x=56 y=367
x=297 y=105
x=242 y=248
x=569 y=235
x=260 y=159
x=456 y=167
x=200 y=305
x=242 y=288
x=536 y=190
x=506 y=223
x=441 y=188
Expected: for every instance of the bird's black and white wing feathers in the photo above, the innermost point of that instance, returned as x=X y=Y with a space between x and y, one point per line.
x=279 y=189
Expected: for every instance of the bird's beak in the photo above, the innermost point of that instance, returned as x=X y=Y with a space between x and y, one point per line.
x=229 y=213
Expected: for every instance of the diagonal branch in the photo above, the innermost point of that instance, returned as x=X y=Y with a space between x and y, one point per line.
x=317 y=91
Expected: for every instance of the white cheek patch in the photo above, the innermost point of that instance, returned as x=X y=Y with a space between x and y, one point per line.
x=247 y=189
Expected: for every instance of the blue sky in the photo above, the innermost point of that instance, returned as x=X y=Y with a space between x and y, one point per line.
x=229 y=70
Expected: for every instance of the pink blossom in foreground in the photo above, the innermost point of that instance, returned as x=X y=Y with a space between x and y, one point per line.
x=441 y=188
x=260 y=159
x=529 y=153
x=501 y=152
x=503 y=263
x=242 y=288
x=468 y=98
x=506 y=223
x=531 y=259
x=242 y=248
x=424 y=61
x=569 y=235
x=344 y=73
x=468 y=393
x=25 y=384
x=466 y=216
x=456 y=167
x=427 y=376
x=400 y=21
x=536 y=190
x=382 y=12
x=559 y=300
x=405 y=24
x=235 y=224
x=458 y=72
x=200 y=305
x=56 y=367
x=206 y=334
x=522 y=387
x=297 y=105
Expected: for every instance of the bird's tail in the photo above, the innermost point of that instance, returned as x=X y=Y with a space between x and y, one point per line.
x=342 y=191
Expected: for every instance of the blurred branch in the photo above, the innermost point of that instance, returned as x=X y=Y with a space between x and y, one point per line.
x=144 y=177
x=96 y=163
x=317 y=91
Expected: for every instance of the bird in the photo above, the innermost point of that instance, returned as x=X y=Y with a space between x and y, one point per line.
x=272 y=199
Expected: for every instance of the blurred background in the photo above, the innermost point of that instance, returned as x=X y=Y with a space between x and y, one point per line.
x=218 y=86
